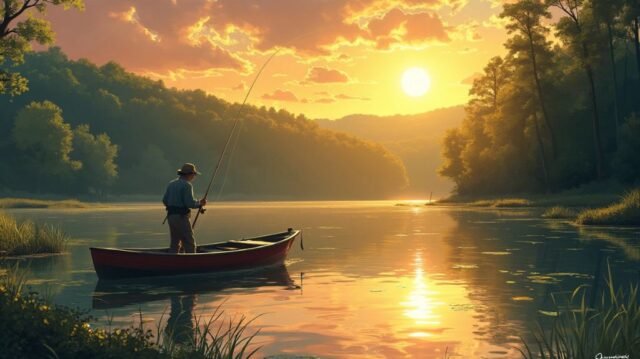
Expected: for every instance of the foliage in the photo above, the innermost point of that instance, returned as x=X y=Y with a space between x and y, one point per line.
x=559 y=212
x=625 y=212
x=580 y=331
x=25 y=237
x=97 y=155
x=156 y=129
x=34 y=328
x=523 y=132
x=18 y=31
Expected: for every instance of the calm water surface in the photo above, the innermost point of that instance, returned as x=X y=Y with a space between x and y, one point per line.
x=374 y=279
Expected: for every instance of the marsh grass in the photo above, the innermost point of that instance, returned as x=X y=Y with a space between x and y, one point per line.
x=32 y=327
x=559 y=212
x=625 y=212
x=38 y=203
x=27 y=237
x=611 y=327
x=503 y=203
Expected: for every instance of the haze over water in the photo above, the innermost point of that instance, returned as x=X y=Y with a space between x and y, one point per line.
x=373 y=280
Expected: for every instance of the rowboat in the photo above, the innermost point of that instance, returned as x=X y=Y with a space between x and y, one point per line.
x=241 y=254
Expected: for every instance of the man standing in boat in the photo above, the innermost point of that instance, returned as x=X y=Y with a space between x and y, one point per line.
x=179 y=200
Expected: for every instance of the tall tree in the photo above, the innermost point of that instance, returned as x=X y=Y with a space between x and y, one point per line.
x=525 y=18
x=487 y=88
x=574 y=28
x=605 y=12
x=17 y=32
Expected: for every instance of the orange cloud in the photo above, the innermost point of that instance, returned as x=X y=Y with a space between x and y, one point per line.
x=347 y=97
x=325 y=75
x=281 y=95
x=396 y=27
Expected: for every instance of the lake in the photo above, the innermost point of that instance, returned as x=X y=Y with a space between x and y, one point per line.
x=373 y=280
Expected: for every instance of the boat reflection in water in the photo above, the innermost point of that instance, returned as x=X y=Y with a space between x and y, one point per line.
x=182 y=293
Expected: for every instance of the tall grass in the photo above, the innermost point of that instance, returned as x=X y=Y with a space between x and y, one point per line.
x=625 y=212
x=26 y=237
x=38 y=203
x=503 y=203
x=611 y=327
x=559 y=212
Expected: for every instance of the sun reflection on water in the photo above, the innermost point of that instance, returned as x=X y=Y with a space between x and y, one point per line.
x=421 y=305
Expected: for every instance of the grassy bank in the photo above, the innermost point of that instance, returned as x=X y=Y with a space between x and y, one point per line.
x=553 y=200
x=41 y=203
x=610 y=326
x=32 y=327
x=26 y=237
x=625 y=212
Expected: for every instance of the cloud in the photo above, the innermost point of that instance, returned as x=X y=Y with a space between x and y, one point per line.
x=325 y=75
x=149 y=36
x=281 y=95
x=397 y=27
x=470 y=79
x=348 y=97
x=325 y=100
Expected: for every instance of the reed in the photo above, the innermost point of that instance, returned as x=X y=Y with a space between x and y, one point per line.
x=503 y=203
x=39 y=203
x=26 y=237
x=625 y=212
x=611 y=327
x=559 y=212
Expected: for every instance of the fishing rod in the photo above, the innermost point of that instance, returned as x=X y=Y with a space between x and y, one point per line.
x=226 y=145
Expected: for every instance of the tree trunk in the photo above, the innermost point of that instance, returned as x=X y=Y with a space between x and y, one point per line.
x=636 y=34
x=543 y=106
x=614 y=75
x=543 y=157
x=596 y=116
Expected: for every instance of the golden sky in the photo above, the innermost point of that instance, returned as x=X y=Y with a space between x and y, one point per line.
x=337 y=57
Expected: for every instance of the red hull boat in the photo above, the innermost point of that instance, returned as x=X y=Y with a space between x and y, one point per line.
x=272 y=249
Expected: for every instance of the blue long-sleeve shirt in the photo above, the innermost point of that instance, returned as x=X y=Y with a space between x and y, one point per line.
x=179 y=193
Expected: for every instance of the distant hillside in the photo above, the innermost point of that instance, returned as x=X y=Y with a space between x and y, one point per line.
x=414 y=138
x=278 y=155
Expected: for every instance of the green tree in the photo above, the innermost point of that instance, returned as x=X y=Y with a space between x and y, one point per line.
x=18 y=31
x=627 y=162
x=577 y=29
x=525 y=20
x=45 y=142
x=98 y=156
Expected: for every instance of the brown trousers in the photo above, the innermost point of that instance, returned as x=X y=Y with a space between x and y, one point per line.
x=181 y=233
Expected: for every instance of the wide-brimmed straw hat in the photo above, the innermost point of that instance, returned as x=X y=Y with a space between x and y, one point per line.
x=188 y=169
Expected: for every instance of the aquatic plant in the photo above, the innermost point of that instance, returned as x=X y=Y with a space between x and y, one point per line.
x=39 y=203
x=625 y=212
x=559 y=212
x=32 y=327
x=26 y=237
x=611 y=327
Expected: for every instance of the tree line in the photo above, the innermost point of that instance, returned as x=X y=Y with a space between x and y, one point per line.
x=560 y=109
x=82 y=128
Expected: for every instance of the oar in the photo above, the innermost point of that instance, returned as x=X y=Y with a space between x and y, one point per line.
x=226 y=145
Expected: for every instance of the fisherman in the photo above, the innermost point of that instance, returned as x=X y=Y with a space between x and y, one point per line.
x=178 y=200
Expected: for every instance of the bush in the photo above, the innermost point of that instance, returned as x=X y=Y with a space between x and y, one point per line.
x=31 y=327
x=625 y=212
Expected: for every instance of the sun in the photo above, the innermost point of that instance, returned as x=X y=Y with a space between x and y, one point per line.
x=415 y=82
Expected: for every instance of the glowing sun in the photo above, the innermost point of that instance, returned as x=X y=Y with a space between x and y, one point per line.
x=415 y=82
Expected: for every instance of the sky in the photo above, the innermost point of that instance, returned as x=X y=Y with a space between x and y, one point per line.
x=334 y=57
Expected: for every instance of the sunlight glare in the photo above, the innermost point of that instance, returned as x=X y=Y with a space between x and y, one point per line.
x=415 y=82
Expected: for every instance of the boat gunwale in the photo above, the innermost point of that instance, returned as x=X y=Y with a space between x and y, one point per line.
x=142 y=251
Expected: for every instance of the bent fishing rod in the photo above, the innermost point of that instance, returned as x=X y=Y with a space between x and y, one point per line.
x=226 y=145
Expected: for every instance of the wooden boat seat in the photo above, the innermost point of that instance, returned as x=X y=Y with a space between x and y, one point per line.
x=251 y=242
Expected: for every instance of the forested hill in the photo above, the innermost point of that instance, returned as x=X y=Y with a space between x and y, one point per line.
x=416 y=139
x=104 y=130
